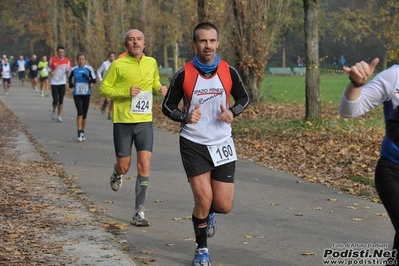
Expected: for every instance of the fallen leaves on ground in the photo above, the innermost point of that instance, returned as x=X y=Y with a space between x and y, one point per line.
x=23 y=227
x=40 y=203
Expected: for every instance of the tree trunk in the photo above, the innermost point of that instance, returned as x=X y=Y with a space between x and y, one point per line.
x=283 y=55
x=122 y=18
x=86 y=38
x=108 y=26
x=384 y=60
x=176 y=57
x=165 y=56
x=62 y=24
x=149 y=34
x=142 y=17
x=313 y=101
x=54 y=25
x=255 y=33
x=255 y=86
x=201 y=11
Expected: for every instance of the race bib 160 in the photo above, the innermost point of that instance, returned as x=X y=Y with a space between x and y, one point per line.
x=223 y=153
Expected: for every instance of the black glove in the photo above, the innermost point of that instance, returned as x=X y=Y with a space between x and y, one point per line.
x=71 y=85
x=85 y=76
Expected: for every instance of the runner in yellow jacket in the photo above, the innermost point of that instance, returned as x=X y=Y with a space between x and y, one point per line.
x=125 y=73
x=131 y=81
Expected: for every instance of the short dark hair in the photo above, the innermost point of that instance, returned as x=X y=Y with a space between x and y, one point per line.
x=80 y=54
x=60 y=47
x=204 y=26
x=110 y=53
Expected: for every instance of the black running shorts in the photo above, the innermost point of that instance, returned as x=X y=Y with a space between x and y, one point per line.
x=139 y=134
x=58 y=93
x=197 y=160
x=43 y=78
x=33 y=74
x=21 y=74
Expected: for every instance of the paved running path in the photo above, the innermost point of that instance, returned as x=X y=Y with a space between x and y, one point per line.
x=277 y=218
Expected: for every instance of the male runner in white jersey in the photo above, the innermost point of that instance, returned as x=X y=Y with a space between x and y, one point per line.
x=206 y=147
x=59 y=66
x=100 y=74
x=20 y=63
x=5 y=71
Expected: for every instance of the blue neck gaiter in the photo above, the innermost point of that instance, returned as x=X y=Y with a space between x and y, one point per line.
x=206 y=68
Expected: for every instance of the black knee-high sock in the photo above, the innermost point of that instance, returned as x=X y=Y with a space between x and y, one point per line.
x=212 y=210
x=200 y=231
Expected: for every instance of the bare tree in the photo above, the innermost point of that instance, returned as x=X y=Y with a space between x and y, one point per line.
x=313 y=101
x=256 y=27
x=390 y=33
x=202 y=16
x=142 y=15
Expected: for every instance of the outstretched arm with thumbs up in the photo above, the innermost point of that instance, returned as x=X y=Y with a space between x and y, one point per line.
x=358 y=74
x=358 y=97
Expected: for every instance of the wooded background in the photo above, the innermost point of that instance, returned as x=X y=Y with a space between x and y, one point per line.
x=255 y=34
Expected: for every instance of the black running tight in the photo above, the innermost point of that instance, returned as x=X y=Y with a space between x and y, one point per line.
x=58 y=93
x=387 y=185
x=82 y=104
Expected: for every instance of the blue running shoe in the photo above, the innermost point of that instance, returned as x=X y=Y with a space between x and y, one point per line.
x=201 y=257
x=211 y=227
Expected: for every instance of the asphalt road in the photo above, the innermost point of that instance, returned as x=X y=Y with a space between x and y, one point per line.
x=277 y=219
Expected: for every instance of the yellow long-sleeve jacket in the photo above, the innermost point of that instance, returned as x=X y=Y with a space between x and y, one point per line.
x=124 y=73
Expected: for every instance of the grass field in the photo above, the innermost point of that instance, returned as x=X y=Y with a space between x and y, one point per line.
x=286 y=90
x=291 y=89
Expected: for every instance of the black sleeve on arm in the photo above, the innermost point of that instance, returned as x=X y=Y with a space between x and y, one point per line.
x=91 y=79
x=239 y=93
x=392 y=127
x=70 y=77
x=173 y=97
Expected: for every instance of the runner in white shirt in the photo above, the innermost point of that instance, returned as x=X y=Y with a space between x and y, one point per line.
x=2 y=62
x=205 y=85
x=358 y=98
x=5 y=70
x=100 y=73
x=21 y=69
x=59 y=66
